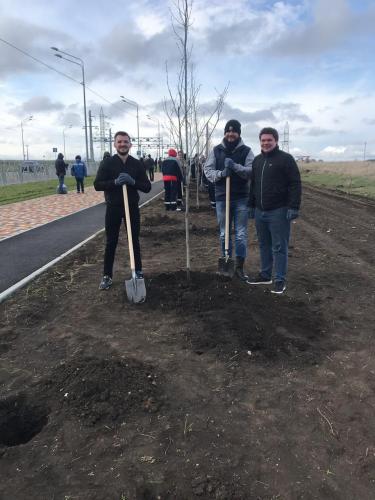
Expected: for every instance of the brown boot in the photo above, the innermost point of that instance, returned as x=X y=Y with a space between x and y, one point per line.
x=239 y=272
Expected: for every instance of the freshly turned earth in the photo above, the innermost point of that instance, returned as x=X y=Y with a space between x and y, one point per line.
x=211 y=389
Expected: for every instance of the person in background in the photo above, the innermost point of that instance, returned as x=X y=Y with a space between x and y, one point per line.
x=275 y=199
x=234 y=159
x=113 y=173
x=61 y=167
x=150 y=165
x=172 y=176
x=79 y=171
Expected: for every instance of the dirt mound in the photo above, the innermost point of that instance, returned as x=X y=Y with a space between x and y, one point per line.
x=97 y=390
x=270 y=327
x=155 y=220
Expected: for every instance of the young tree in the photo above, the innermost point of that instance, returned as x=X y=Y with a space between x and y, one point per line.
x=182 y=107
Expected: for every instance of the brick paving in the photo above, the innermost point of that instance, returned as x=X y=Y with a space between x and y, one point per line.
x=16 y=218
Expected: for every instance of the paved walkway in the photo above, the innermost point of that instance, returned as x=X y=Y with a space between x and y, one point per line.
x=16 y=218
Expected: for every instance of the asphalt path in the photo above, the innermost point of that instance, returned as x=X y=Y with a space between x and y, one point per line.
x=25 y=253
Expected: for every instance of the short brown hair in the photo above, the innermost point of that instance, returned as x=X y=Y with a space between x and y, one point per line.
x=121 y=132
x=271 y=131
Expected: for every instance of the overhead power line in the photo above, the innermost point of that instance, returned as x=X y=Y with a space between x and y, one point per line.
x=53 y=69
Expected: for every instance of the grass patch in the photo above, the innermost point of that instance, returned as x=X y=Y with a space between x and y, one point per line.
x=21 y=192
x=361 y=185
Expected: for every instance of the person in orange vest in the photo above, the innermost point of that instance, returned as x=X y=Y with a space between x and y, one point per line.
x=172 y=176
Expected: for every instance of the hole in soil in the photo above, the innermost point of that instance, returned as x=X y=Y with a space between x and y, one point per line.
x=20 y=421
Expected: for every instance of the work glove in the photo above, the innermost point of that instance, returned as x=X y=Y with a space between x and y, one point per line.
x=251 y=213
x=226 y=172
x=292 y=213
x=124 y=178
x=228 y=163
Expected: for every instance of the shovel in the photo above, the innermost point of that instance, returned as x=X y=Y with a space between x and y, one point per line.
x=226 y=264
x=135 y=287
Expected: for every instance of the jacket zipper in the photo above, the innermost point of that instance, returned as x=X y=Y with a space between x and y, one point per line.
x=261 y=185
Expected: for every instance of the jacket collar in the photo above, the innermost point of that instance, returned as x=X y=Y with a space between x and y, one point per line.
x=271 y=153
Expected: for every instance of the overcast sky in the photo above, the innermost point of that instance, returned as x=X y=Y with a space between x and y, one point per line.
x=306 y=62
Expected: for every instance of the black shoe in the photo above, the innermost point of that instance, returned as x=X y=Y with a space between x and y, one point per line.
x=239 y=272
x=259 y=280
x=279 y=287
x=106 y=283
x=139 y=275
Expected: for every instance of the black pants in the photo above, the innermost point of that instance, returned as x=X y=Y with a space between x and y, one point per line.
x=80 y=186
x=170 y=196
x=113 y=218
x=151 y=174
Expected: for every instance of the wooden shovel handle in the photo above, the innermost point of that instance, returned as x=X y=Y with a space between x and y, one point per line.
x=128 y=228
x=227 y=213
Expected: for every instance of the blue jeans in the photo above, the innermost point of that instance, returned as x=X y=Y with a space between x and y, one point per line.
x=273 y=230
x=61 y=182
x=239 y=216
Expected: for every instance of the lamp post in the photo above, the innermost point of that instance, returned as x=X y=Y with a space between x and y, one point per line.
x=133 y=103
x=81 y=64
x=23 y=142
x=66 y=128
x=156 y=119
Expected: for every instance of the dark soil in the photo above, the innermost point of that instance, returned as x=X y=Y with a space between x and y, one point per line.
x=211 y=389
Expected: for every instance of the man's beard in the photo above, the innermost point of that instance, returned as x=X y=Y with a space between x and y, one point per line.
x=122 y=153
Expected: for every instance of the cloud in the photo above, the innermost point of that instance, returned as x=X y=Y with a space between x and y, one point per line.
x=369 y=121
x=323 y=29
x=290 y=111
x=37 y=104
x=244 y=117
x=334 y=150
x=314 y=131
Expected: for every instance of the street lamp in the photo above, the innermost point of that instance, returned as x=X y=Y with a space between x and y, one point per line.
x=133 y=103
x=66 y=128
x=156 y=119
x=23 y=142
x=81 y=64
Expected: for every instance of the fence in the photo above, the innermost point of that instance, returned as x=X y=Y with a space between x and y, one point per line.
x=18 y=172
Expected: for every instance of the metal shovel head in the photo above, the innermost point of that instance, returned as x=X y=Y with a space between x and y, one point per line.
x=135 y=290
x=226 y=267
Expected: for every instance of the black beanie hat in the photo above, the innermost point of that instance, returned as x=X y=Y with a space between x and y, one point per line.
x=235 y=125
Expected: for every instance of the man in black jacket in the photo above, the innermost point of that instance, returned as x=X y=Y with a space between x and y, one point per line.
x=275 y=199
x=112 y=174
x=232 y=158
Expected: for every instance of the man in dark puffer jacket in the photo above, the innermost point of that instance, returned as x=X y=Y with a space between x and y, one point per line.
x=275 y=199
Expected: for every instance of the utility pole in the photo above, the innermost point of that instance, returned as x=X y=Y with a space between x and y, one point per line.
x=364 y=151
x=110 y=141
x=285 y=143
x=91 y=141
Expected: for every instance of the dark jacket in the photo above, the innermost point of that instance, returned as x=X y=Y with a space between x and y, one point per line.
x=110 y=169
x=60 y=166
x=243 y=157
x=239 y=188
x=275 y=181
x=171 y=168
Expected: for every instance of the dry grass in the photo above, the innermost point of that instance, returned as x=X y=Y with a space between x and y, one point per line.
x=356 y=177
x=349 y=168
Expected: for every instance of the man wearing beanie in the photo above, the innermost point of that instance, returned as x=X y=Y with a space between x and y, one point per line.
x=232 y=158
x=172 y=176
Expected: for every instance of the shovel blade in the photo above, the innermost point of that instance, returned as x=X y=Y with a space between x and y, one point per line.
x=135 y=290
x=226 y=267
